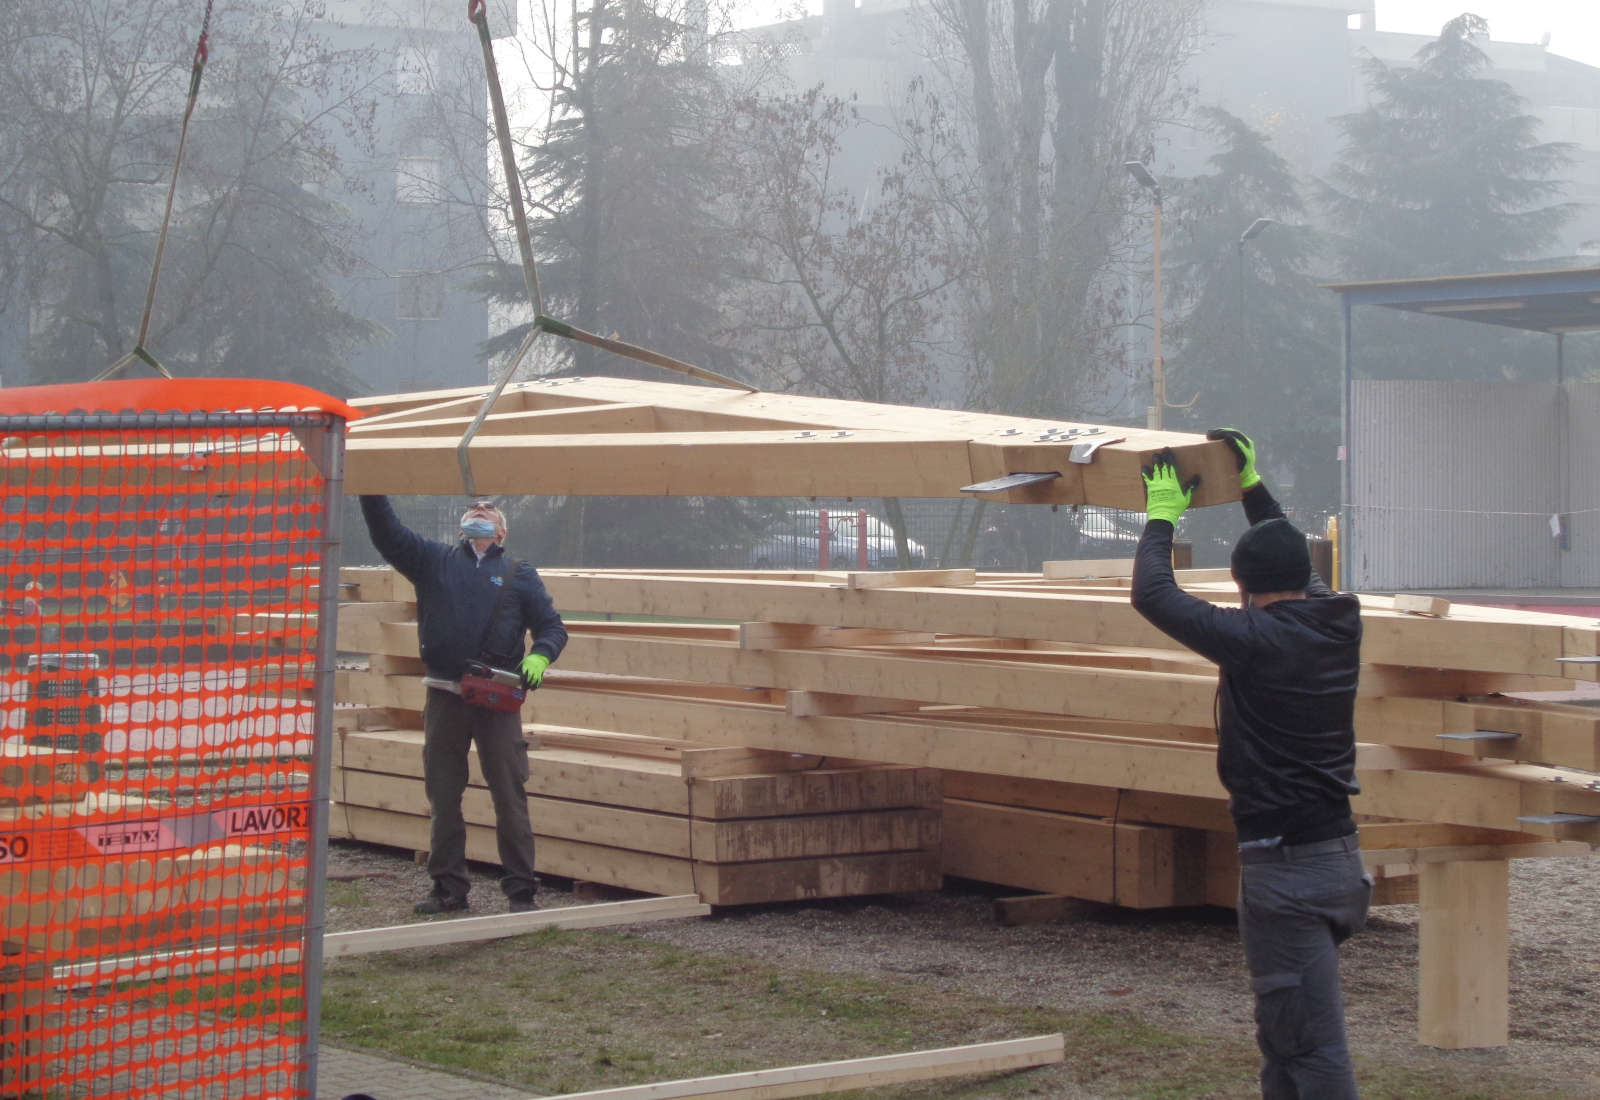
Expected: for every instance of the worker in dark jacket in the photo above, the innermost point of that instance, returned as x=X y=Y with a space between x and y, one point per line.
x=474 y=604
x=1288 y=658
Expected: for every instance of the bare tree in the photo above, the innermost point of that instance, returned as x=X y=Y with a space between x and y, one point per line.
x=841 y=293
x=95 y=90
x=1054 y=95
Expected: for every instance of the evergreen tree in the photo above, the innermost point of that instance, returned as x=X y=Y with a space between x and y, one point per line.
x=621 y=187
x=1444 y=175
x=621 y=190
x=1256 y=340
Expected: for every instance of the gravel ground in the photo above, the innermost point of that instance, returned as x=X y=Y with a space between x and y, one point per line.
x=1177 y=969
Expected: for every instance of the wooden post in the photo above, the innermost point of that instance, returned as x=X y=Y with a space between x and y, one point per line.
x=1463 y=965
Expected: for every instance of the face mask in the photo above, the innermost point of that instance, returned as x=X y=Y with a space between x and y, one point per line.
x=478 y=529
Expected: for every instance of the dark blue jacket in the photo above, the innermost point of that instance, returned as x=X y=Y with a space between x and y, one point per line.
x=1286 y=690
x=456 y=593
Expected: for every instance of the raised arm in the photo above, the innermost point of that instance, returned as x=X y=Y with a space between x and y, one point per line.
x=400 y=546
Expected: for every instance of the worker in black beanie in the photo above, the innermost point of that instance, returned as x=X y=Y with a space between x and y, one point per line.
x=1288 y=658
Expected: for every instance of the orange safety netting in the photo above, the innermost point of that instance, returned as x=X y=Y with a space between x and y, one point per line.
x=158 y=736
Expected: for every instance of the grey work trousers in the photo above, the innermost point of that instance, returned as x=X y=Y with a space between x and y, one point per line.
x=450 y=725
x=1297 y=904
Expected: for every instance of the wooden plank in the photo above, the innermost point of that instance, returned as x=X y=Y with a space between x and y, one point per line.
x=1422 y=605
x=643 y=871
x=1463 y=957
x=833 y=790
x=1095 y=692
x=811 y=704
x=912 y=578
x=1087 y=567
x=387 y=664
x=396 y=638
x=377 y=584
x=733 y=463
x=337 y=945
x=1468 y=639
x=825 y=1077
x=1475 y=853
x=1089 y=800
x=584 y=776
x=591 y=823
x=764 y=635
x=593 y=419
x=1565 y=735
x=1139 y=866
x=1483 y=794
x=812 y=835
x=652 y=874
x=815 y=835
x=1176 y=769
x=822 y=877
x=659 y=787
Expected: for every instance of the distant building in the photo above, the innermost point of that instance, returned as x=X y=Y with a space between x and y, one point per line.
x=422 y=204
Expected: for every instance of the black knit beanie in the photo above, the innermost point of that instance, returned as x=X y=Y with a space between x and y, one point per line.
x=1272 y=557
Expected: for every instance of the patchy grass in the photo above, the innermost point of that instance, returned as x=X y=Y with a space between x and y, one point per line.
x=562 y=1011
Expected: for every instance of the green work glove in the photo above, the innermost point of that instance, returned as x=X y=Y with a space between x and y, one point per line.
x=1244 y=452
x=533 y=666
x=1165 y=497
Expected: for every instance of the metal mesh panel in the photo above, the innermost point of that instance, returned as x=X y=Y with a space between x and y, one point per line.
x=161 y=698
x=1452 y=485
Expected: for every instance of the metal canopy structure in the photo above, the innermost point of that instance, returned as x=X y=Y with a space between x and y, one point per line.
x=1556 y=302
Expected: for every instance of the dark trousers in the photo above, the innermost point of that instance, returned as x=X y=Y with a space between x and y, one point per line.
x=1297 y=904
x=450 y=726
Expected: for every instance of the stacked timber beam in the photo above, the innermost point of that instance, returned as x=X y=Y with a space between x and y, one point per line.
x=1074 y=742
x=733 y=825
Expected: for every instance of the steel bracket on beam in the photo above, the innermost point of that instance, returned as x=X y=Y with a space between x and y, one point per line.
x=1560 y=819
x=1480 y=735
x=1083 y=453
x=1010 y=481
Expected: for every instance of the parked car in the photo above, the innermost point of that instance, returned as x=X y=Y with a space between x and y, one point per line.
x=793 y=542
x=1108 y=532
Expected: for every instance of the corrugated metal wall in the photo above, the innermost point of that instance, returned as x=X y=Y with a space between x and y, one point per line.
x=1452 y=484
x=1580 y=565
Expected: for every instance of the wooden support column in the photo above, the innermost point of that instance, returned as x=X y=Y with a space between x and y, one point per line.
x=1463 y=966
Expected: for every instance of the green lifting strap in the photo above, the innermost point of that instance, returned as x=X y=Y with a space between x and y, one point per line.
x=479 y=17
x=140 y=353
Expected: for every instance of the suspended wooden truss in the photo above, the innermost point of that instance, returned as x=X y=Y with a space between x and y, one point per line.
x=623 y=437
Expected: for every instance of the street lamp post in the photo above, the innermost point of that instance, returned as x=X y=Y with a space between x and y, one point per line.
x=1153 y=418
x=1250 y=233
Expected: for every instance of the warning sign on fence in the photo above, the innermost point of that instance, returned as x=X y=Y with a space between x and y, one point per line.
x=164 y=696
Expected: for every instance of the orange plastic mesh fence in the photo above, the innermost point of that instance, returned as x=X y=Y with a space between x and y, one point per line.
x=158 y=752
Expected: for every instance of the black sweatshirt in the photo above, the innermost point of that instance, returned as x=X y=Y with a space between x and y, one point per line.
x=1286 y=690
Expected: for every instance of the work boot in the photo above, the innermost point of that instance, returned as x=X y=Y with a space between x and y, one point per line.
x=522 y=903
x=436 y=903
